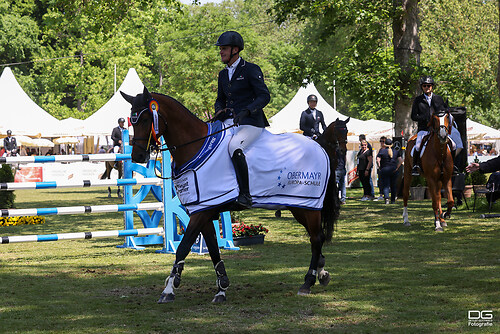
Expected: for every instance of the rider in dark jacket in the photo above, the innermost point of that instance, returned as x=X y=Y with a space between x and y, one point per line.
x=423 y=107
x=311 y=118
x=243 y=94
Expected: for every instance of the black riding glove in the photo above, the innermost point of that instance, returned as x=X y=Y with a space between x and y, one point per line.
x=239 y=116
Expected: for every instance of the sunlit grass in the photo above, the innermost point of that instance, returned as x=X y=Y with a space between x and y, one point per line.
x=385 y=277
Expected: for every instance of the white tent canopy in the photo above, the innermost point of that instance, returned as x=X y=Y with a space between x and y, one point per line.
x=19 y=113
x=71 y=127
x=288 y=119
x=479 y=131
x=106 y=118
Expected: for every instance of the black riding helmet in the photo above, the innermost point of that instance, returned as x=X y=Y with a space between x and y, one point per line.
x=230 y=38
x=120 y=120
x=427 y=80
x=312 y=97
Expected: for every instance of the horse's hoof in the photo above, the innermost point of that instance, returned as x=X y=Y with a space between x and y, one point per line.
x=166 y=298
x=109 y=195
x=406 y=224
x=444 y=224
x=439 y=229
x=120 y=196
x=324 y=279
x=219 y=298
x=304 y=291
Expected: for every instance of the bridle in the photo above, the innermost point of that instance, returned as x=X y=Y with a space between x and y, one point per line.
x=152 y=140
x=443 y=130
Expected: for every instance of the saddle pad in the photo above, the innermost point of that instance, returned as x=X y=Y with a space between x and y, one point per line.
x=284 y=170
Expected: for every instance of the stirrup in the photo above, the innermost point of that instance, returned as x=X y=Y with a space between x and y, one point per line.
x=244 y=200
x=415 y=171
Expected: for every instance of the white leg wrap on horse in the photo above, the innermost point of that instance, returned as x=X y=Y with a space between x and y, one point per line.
x=169 y=286
x=406 y=221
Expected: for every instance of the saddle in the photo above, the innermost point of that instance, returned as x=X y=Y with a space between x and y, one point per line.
x=284 y=170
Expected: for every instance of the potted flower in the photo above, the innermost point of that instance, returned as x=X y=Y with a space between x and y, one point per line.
x=418 y=185
x=244 y=234
x=473 y=179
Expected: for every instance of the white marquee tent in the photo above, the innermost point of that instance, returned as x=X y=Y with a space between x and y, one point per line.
x=479 y=131
x=288 y=119
x=20 y=114
x=106 y=118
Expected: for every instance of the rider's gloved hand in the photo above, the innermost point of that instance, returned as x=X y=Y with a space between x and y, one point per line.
x=239 y=116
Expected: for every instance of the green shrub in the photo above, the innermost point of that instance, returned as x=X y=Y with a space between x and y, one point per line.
x=418 y=181
x=476 y=178
x=6 y=197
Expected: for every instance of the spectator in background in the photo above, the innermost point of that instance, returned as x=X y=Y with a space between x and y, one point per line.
x=116 y=135
x=381 y=192
x=388 y=161
x=363 y=137
x=365 y=164
x=10 y=145
x=311 y=118
x=340 y=173
x=101 y=150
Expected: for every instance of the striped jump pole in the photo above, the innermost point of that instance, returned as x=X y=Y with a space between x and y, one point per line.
x=70 y=210
x=81 y=235
x=65 y=158
x=80 y=184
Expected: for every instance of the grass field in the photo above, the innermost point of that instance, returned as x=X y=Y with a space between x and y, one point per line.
x=385 y=277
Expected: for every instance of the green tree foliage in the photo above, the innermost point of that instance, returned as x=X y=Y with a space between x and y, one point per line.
x=18 y=40
x=347 y=41
x=460 y=48
x=6 y=197
x=189 y=61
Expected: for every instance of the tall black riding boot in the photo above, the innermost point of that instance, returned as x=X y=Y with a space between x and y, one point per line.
x=416 y=163
x=241 y=169
x=455 y=168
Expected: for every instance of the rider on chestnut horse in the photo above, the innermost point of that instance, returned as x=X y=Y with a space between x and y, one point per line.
x=423 y=107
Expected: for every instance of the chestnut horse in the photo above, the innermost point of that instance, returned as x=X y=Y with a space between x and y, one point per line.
x=182 y=132
x=437 y=165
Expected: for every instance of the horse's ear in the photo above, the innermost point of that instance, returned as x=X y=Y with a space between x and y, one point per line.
x=146 y=94
x=337 y=119
x=347 y=120
x=127 y=98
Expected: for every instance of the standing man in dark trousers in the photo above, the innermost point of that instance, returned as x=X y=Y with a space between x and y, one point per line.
x=241 y=94
x=311 y=118
x=116 y=135
x=10 y=145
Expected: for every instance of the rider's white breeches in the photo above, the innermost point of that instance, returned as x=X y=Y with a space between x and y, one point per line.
x=420 y=135
x=244 y=136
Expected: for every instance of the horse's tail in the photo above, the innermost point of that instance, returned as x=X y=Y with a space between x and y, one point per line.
x=331 y=208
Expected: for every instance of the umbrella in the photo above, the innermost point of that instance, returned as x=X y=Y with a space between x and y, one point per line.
x=42 y=142
x=66 y=140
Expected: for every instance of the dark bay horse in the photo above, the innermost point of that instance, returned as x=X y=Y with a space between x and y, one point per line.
x=437 y=165
x=110 y=165
x=181 y=130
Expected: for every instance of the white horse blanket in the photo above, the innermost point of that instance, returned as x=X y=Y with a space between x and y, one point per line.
x=284 y=170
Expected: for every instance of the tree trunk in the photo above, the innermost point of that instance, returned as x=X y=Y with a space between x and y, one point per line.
x=498 y=69
x=407 y=51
